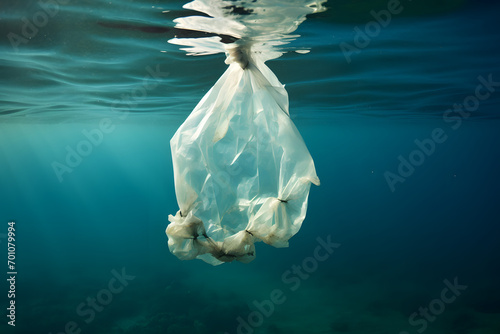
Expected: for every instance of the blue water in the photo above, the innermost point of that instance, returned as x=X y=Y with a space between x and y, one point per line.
x=402 y=237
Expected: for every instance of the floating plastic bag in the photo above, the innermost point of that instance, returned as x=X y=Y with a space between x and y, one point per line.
x=242 y=171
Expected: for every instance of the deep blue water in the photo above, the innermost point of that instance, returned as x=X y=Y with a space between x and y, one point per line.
x=401 y=243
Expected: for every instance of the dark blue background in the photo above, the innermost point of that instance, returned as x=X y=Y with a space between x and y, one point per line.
x=357 y=118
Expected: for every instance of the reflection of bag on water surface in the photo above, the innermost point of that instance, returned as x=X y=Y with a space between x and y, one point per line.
x=242 y=171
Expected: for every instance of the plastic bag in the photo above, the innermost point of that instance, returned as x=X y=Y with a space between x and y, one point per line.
x=242 y=171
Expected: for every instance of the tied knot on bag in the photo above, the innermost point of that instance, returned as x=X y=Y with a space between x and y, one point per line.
x=238 y=54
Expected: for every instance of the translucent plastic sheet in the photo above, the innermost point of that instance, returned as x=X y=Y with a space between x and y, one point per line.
x=242 y=171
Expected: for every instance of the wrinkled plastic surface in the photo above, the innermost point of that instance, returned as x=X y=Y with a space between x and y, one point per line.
x=242 y=171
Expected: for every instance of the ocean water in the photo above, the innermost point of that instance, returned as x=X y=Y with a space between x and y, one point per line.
x=400 y=113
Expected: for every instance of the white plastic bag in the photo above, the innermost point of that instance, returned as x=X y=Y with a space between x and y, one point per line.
x=242 y=171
